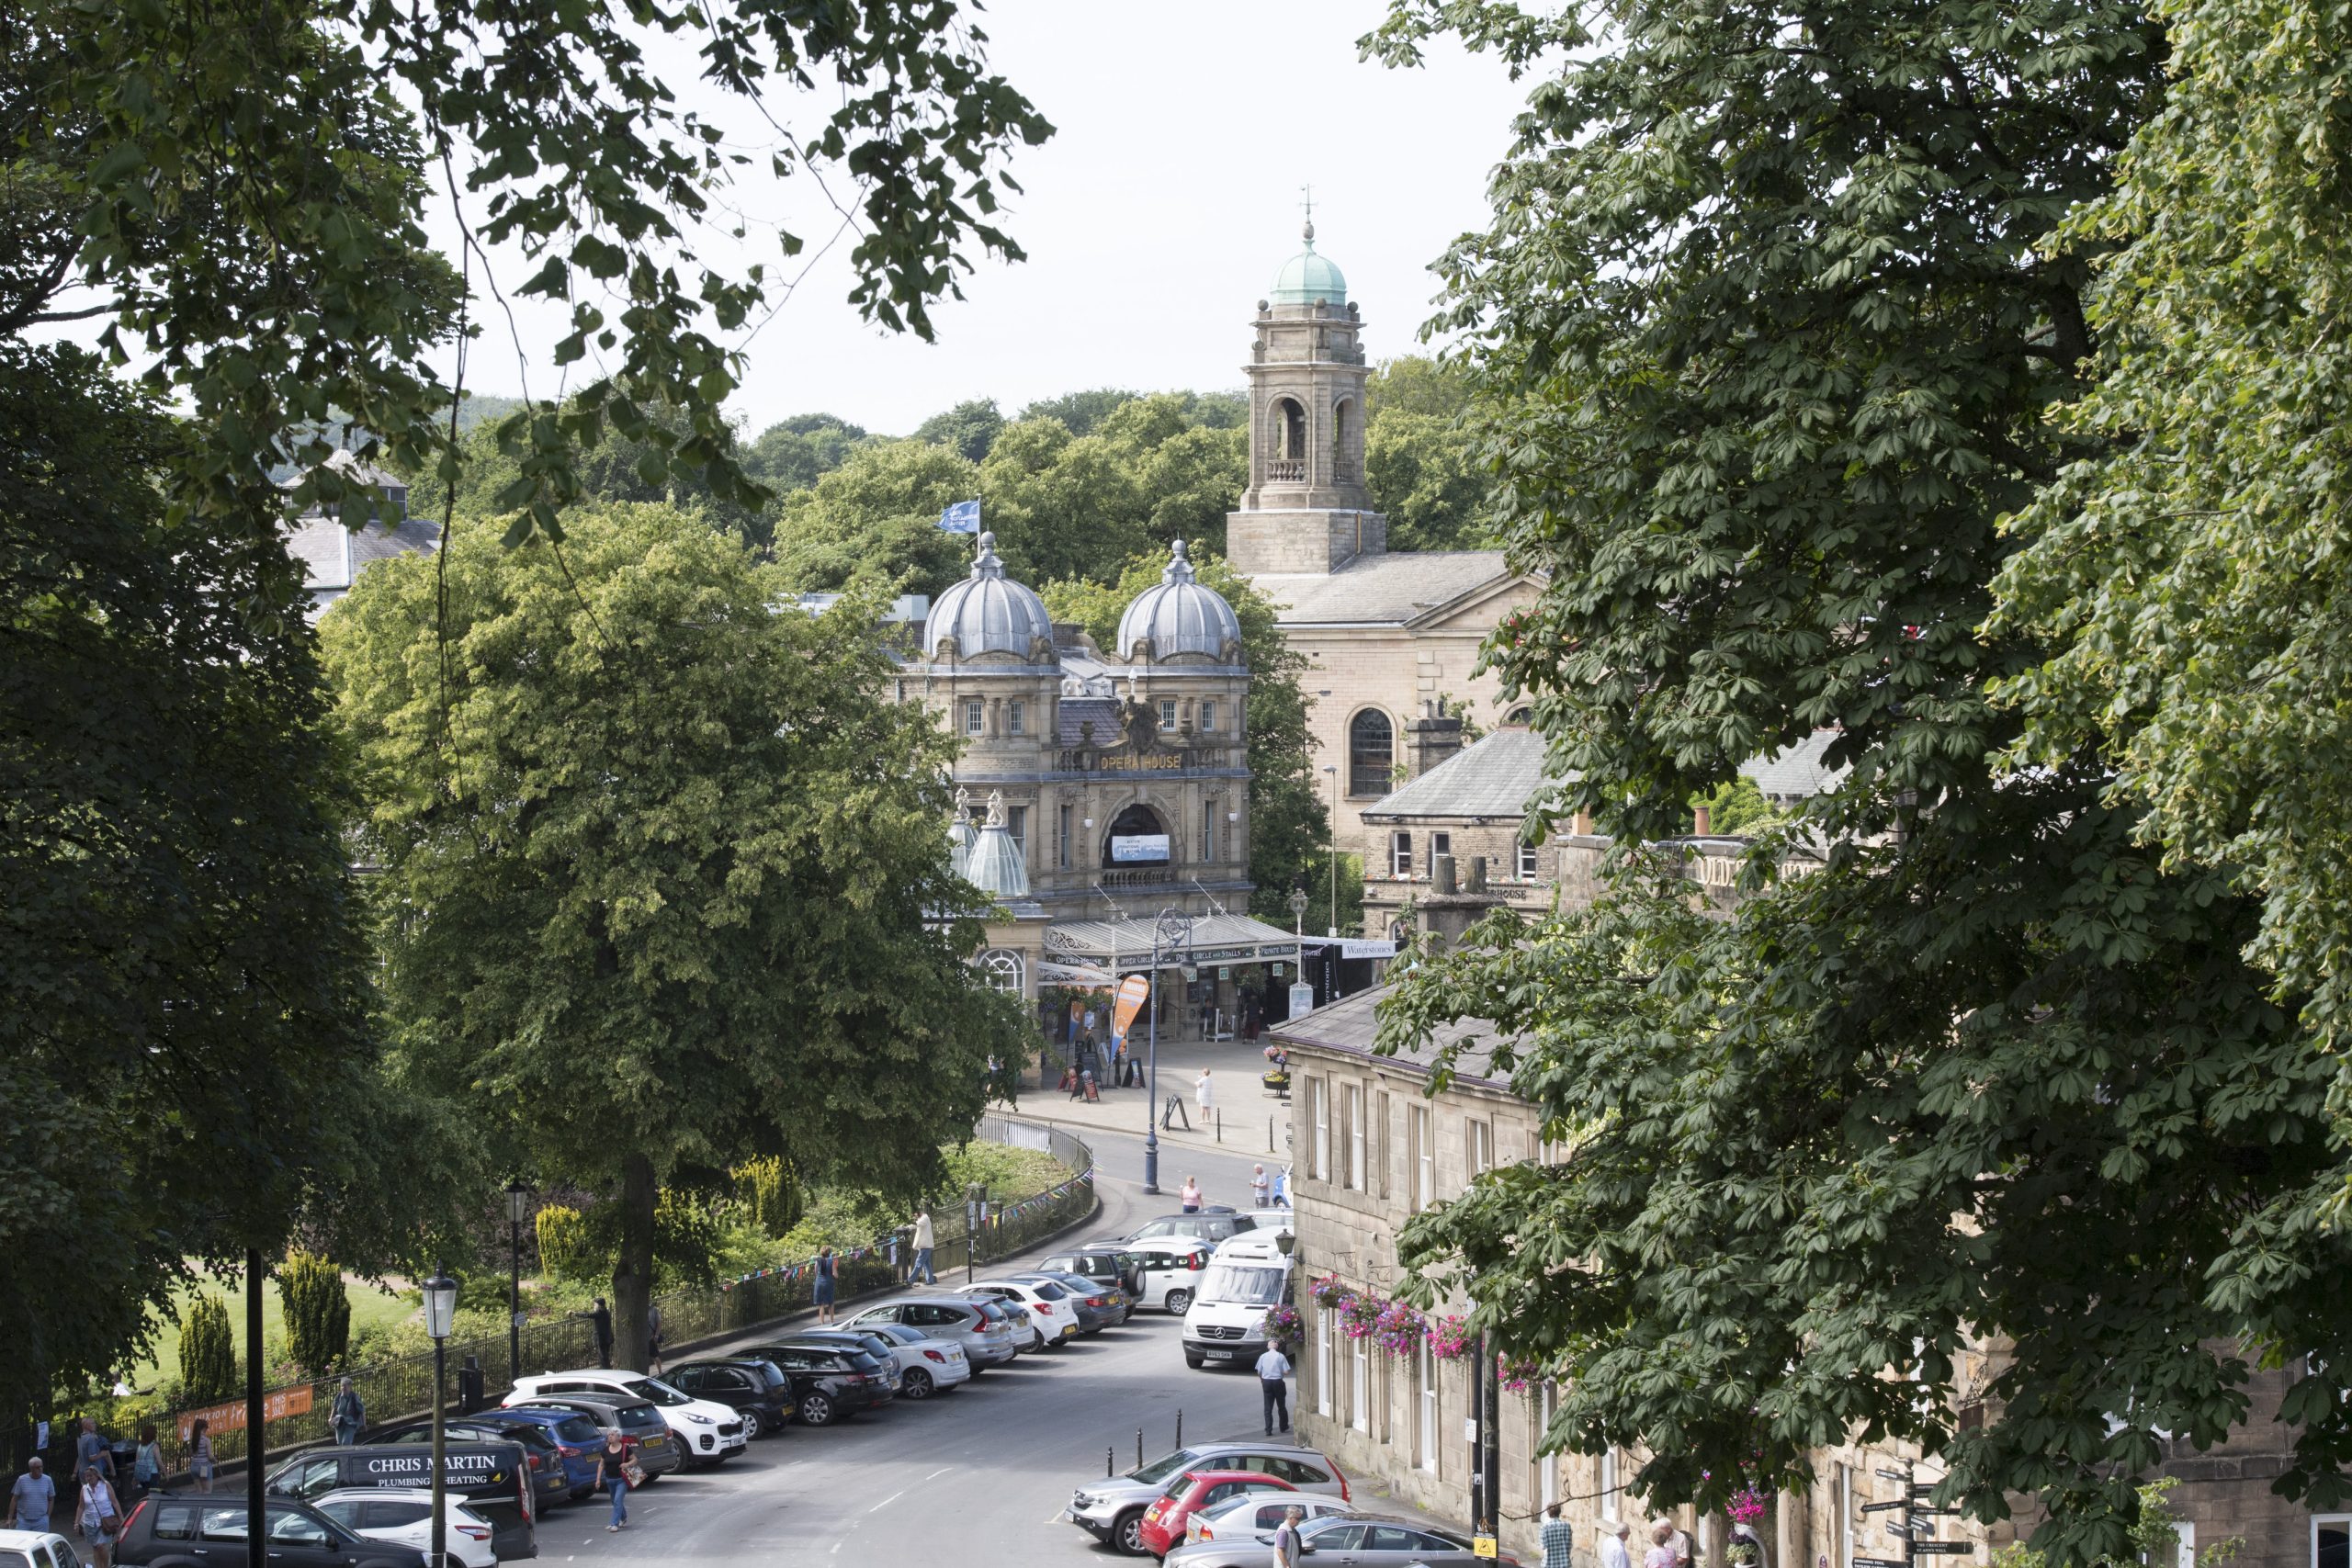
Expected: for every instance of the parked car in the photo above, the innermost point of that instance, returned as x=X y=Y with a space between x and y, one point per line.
x=1106 y=1296
x=1011 y=1316
x=711 y=1433
x=1163 y=1522
x=1213 y=1225
x=542 y=1454
x=36 y=1548
x=985 y=1334
x=884 y=1353
x=1053 y=1316
x=1226 y=1322
x=761 y=1394
x=829 y=1381
x=1255 y=1511
x=1094 y=1313
x=167 y=1531
x=926 y=1366
x=1366 y=1541
x=1112 y=1510
x=1171 y=1269
x=495 y=1477
x=1106 y=1263
x=645 y=1436
x=403 y=1516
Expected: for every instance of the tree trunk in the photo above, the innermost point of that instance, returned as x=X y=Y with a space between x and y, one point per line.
x=633 y=1274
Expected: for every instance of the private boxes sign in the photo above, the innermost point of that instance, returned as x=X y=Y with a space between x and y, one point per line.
x=1146 y=849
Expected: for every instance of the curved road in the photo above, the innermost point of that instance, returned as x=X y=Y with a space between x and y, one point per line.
x=977 y=1478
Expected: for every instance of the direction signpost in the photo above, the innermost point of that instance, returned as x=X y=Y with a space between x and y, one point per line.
x=1915 y=1525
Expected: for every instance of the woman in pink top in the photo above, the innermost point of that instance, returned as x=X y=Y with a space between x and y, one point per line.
x=1661 y=1551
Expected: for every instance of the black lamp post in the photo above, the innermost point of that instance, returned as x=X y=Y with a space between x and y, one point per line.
x=440 y=1314
x=1173 y=934
x=518 y=1202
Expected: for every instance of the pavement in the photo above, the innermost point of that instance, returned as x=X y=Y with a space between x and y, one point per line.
x=1245 y=1121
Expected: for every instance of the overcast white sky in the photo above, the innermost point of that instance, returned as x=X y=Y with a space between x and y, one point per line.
x=1155 y=217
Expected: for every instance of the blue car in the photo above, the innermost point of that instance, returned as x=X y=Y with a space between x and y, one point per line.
x=576 y=1436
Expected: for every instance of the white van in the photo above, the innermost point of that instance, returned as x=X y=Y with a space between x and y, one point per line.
x=1246 y=1277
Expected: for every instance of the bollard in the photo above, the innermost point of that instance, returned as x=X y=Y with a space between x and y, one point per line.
x=1138 y=1448
x=1110 y=1460
x=1270 y=1134
x=1220 y=1124
x=1180 y=1426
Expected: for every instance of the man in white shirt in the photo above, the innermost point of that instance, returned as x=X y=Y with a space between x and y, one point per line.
x=1272 y=1367
x=923 y=1239
x=1612 y=1545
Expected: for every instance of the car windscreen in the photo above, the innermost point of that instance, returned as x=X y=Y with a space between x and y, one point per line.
x=767 y=1373
x=578 y=1430
x=657 y=1391
x=1241 y=1284
x=1160 y=1469
x=1047 y=1290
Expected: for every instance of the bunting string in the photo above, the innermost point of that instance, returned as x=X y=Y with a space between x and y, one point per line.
x=993 y=1221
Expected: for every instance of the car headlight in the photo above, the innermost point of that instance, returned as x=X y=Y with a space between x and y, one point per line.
x=699 y=1419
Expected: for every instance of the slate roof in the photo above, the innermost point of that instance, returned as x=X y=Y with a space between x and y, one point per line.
x=332 y=556
x=1381 y=590
x=1797 y=771
x=1104 y=713
x=1496 y=776
x=1350 y=1025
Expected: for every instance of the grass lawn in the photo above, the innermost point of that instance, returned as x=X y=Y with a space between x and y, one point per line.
x=370 y=1306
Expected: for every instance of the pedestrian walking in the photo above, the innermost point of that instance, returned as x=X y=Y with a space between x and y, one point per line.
x=1288 y=1547
x=1259 y=1185
x=1612 y=1545
x=600 y=1319
x=1661 y=1551
x=1559 y=1537
x=822 y=1292
x=100 y=1516
x=90 y=1450
x=147 y=1465
x=1272 y=1367
x=1205 y=1095
x=1189 y=1200
x=200 y=1454
x=31 y=1498
x=349 y=1414
x=614 y=1473
x=924 y=1243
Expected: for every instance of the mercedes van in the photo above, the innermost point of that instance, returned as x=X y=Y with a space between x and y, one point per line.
x=1246 y=1278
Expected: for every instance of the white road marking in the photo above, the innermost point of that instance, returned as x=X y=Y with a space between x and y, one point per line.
x=940 y=1471
x=888 y=1501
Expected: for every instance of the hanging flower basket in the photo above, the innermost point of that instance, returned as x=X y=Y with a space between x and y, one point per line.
x=1283 y=1322
x=1359 y=1315
x=1449 y=1338
x=1516 y=1373
x=1399 y=1330
x=1747 y=1506
x=1278 y=1081
x=1326 y=1291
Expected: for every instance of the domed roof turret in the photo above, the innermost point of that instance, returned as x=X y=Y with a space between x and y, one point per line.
x=987 y=613
x=1180 y=615
x=1307 y=277
x=995 y=864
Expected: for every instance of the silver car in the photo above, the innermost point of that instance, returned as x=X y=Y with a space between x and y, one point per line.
x=1112 y=1510
x=1255 y=1513
x=986 y=1344
x=1366 y=1541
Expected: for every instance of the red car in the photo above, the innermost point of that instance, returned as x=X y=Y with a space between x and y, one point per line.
x=1163 y=1523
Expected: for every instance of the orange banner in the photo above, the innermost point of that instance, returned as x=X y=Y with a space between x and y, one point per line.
x=230 y=1417
x=1133 y=991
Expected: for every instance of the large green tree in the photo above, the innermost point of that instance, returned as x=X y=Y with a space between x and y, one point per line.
x=873 y=521
x=663 y=879
x=2190 y=577
x=186 y=1065
x=1767 y=303
x=1289 y=833
x=1420 y=454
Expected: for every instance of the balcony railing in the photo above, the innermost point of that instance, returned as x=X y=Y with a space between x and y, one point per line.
x=1286 y=471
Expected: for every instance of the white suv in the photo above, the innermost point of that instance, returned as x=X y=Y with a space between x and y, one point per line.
x=708 y=1431
x=1053 y=1319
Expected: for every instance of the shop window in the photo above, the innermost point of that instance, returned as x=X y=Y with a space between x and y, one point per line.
x=1372 y=747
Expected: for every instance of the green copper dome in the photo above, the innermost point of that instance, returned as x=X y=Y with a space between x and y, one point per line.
x=1307 y=277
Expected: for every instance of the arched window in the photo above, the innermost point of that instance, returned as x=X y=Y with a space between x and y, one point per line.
x=1137 y=837
x=1343 y=414
x=1522 y=714
x=1002 y=970
x=1371 y=747
x=1286 y=440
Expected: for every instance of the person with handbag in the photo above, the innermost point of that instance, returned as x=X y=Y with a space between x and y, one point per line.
x=617 y=1472
x=101 y=1517
x=147 y=1467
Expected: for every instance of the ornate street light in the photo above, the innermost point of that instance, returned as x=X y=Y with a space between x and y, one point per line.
x=440 y=1315
x=518 y=1205
x=1298 y=911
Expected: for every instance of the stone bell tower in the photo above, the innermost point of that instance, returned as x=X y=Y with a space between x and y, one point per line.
x=1305 y=508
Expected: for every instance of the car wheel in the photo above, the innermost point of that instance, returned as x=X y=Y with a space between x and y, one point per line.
x=1126 y=1532
x=1195 y=1360
x=753 y=1425
x=917 y=1383
x=1179 y=1303
x=816 y=1410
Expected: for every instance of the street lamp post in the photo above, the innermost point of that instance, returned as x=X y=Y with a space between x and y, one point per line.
x=1334 y=826
x=1298 y=911
x=440 y=1312
x=518 y=1201
x=1173 y=931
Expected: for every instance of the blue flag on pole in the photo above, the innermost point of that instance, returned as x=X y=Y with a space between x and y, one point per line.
x=964 y=517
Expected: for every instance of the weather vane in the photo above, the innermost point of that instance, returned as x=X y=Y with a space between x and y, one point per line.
x=1306 y=204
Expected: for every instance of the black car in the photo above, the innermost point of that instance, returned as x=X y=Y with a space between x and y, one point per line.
x=205 y=1531
x=645 y=1436
x=1106 y=1264
x=542 y=1454
x=828 y=1381
x=756 y=1387
x=885 y=1353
